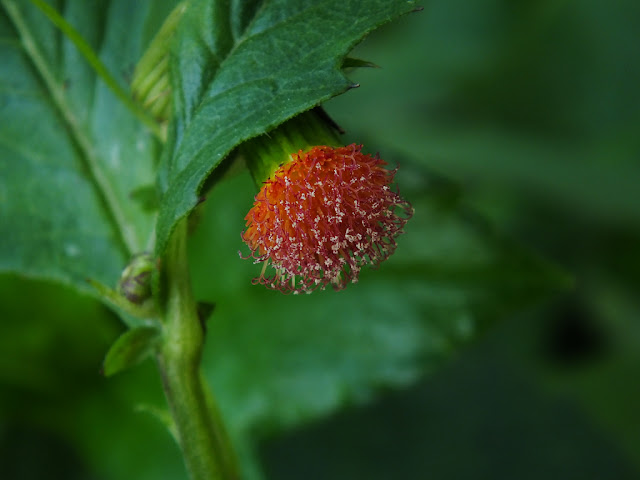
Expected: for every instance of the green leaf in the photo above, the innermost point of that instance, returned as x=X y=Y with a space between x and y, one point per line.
x=71 y=153
x=277 y=361
x=130 y=348
x=543 y=434
x=96 y=64
x=241 y=68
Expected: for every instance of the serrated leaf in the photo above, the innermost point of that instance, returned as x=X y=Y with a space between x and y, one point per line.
x=70 y=152
x=130 y=348
x=241 y=68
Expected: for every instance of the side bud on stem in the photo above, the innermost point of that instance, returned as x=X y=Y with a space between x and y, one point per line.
x=323 y=211
x=135 y=280
x=134 y=293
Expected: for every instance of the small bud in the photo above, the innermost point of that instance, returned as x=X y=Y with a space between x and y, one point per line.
x=135 y=281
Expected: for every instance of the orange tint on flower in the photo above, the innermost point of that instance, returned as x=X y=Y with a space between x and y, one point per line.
x=322 y=216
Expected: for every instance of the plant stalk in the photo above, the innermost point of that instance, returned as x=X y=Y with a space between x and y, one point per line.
x=201 y=435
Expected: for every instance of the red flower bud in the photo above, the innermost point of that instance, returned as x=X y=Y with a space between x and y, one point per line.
x=319 y=218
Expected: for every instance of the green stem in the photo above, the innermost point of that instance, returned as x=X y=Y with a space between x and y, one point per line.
x=205 y=446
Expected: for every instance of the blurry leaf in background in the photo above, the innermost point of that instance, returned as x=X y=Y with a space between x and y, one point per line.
x=276 y=362
x=534 y=108
x=61 y=419
x=477 y=418
x=70 y=153
x=539 y=98
x=51 y=342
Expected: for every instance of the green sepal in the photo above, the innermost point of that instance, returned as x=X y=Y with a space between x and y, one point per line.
x=130 y=348
x=268 y=152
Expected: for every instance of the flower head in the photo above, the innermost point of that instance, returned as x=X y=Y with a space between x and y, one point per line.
x=321 y=217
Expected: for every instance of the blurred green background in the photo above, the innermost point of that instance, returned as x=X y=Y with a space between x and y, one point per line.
x=531 y=109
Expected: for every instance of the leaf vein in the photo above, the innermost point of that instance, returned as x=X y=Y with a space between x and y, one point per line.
x=98 y=177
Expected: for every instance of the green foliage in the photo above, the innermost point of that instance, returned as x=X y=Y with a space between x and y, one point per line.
x=463 y=93
x=71 y=153
x=130 y=348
